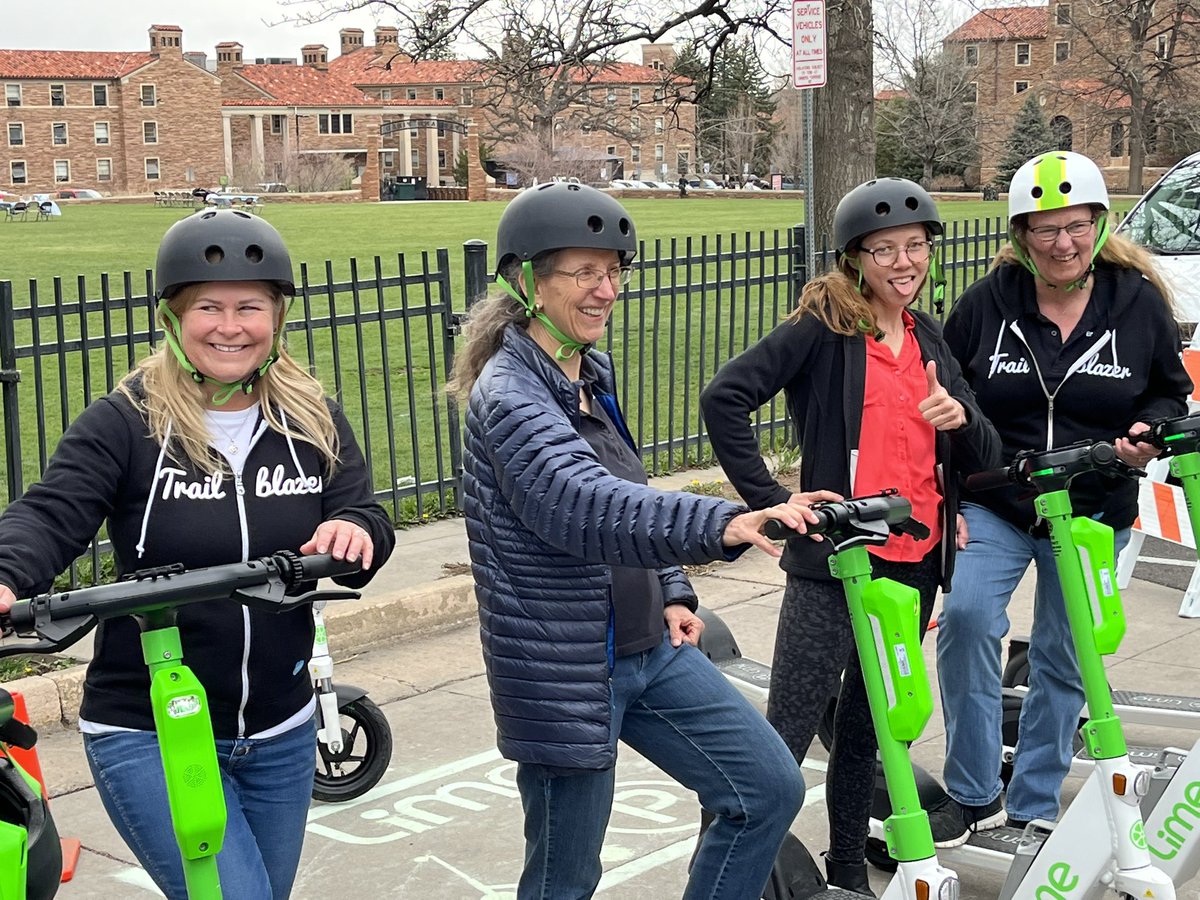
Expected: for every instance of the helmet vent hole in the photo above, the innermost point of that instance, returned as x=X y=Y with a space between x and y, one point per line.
x=883 y=209
x=238 y=212
x=871 y=182
x=912 y=202
x=572 y=187
x=1065 y=187
x=254 y=253
x=214 y=255
x=624 y=226
x=595 y=224
x=209 y=214
x=1036 y=192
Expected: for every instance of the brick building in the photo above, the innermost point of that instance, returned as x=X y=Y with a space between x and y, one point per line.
x=135 y=122
x=1015 y=50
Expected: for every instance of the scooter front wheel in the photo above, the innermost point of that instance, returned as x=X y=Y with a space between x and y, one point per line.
x=364 y=757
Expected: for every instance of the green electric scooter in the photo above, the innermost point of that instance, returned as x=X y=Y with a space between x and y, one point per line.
x=180 y=705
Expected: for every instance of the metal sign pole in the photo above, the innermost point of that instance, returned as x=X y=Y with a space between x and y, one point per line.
x=810 y=242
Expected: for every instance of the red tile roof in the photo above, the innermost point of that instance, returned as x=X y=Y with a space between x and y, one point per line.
x=363 y=66
x=1004 y=23
x=70 y=63
x=890 y=94
x=293 y=85
x=165 y=28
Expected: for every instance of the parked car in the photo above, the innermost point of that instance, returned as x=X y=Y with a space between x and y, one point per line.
x=661 y=185
x=79 y=194
x=272 y=187
x=1166 y=221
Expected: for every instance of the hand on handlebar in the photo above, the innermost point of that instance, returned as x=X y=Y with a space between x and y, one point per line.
x=341 y=539
x=747 y=528
x=7 y=598
x=1134 y=452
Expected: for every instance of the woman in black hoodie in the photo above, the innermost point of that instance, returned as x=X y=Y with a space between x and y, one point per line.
x=216 y=448
x=1069 y=337
x=878 y=402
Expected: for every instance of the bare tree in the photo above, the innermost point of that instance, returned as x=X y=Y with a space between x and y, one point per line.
x=787 y=148
x=931 y=118
x=533 y=162
x=567 y=41
x=317 y=172
x=1137 y=61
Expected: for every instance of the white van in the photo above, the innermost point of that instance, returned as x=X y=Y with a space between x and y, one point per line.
x=1167 y=222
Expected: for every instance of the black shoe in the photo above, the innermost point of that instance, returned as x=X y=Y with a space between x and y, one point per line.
x=952 y=823
x=1018 y=824
x=984 y=818
x=848 y=876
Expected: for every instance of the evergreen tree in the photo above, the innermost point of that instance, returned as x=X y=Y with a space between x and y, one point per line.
x=893 y=156
x=1030 y=136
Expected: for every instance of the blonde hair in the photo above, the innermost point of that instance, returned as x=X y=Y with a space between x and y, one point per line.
x=169 y=398
x=837 y=302
x=486 y=323
x=1117 y=251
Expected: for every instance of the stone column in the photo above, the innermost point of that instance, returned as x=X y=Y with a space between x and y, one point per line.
x=431 y=162
x=477 y=179
x=257 y=154
x=227 y=133
x=369 y=183
x=405 y=148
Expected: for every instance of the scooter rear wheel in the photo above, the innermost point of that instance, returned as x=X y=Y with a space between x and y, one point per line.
x=364 y=757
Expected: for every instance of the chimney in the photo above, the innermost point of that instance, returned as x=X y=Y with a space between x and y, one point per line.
x=315 y=55
x=352 y=39
x=229 y=56
x=197 y=58
x=166 y=39
x=387 y=39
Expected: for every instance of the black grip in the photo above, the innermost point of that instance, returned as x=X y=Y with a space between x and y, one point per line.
x=777 y=531
x=990 y=480
x=19 y=618
x=322 y=565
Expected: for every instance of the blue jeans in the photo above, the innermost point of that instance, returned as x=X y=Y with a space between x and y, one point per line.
x=671 y=705
x=268 y=786
x=974 y=619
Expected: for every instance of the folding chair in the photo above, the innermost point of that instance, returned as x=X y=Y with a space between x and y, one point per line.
x=44 y=210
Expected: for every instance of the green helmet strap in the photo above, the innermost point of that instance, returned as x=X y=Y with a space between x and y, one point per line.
x=226 y=388
x=568 y=346
x=1101 y=239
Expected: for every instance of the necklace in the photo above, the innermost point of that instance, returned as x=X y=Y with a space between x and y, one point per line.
x=242 y=430
x=232 y=449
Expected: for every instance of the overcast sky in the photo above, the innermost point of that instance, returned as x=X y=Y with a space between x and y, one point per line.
x=122 y=25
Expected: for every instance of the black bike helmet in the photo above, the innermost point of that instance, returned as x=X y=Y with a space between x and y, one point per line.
x=882 y=203
x=558 y=216
x=222 y=245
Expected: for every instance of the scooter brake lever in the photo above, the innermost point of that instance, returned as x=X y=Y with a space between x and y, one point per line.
x=917 y=529
x=326 y=594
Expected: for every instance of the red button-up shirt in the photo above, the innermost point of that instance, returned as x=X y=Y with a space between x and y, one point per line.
x=896 y=445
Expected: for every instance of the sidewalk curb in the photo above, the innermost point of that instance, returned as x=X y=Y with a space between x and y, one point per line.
x=53 y=699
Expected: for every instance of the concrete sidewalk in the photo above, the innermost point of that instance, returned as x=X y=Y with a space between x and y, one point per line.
x=424 y=587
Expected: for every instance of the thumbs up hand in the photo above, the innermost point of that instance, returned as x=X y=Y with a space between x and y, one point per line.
x=939 y=409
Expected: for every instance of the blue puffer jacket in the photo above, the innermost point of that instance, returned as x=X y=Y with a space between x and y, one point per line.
x=545 y=522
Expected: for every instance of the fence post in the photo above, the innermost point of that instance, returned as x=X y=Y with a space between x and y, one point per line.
x=10 y=376
x=798 y=245
x=475 y=270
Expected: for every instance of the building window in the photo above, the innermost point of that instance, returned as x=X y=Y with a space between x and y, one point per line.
x=1022 y=54
x=1062 y=51
x=441 y=159
x=635 y=155
x=411 y=93
x=16 y=134
x=658 y=153
x=276 y=124
x=415 y=159
x=149 y=132
x=1062 y=14
x=683 y=161
x=659 y=94
x=611 y=150
x=149 y=95
x=58 y=95
x=611 y=97
x=635 y=96
x=441 y=128
x=152 y=168
x=104 y=170
x=1061 y=128
x=412 y=131
x=635 y=125
x=101 y=131
x=1160 y=49
x=58 y=132
x=12 y=95
x=658 y=124
x=439 y=93
x=335 y=123
x=189 y=174
x=62 y=171
x=971 y=55
x=971 y=94
x=1116 y=140
x=387 y=159
x=468 y=96
x=1020 y=87
x=17 y=173
x=385 y=94
x=99 y=95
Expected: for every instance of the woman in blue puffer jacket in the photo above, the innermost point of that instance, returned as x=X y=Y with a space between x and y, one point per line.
x=588 y=624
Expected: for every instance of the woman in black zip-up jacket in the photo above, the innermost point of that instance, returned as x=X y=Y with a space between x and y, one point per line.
x=217 y=448
x=863 y=376
x=1069 y=337
x=587 y=621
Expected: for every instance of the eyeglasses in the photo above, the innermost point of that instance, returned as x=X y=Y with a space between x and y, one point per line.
x=590 y=279
x=1048 y=234
x=916 y=251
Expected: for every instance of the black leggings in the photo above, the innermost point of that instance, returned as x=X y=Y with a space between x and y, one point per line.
x=813 y=645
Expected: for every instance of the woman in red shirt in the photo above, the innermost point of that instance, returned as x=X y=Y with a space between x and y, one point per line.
x=878 y=402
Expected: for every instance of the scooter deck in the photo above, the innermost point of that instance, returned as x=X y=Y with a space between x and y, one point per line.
x=992 y=850
x=1147 y=757
x=750 y=677
x=1157 y=708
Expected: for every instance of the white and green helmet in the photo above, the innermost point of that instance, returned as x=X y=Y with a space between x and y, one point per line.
x=1054 y=180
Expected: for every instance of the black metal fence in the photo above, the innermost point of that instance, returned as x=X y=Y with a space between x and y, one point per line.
x=383 y=343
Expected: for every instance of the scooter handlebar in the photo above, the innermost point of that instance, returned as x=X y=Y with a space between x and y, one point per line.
x=835 y=517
